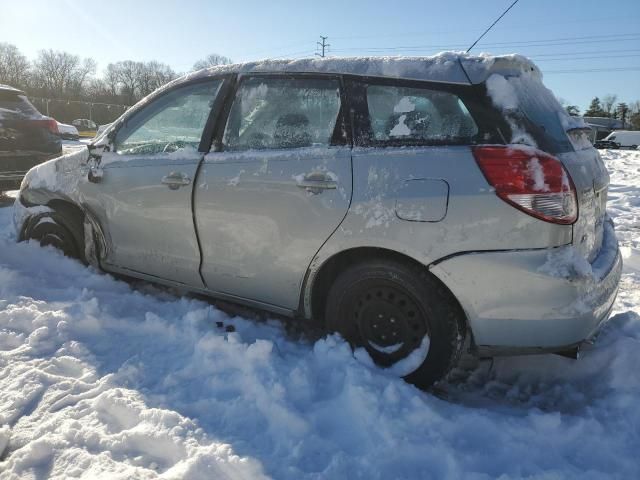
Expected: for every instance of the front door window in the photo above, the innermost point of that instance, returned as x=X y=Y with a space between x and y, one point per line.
x=171 y=123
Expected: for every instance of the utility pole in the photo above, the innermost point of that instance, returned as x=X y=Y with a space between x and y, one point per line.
x=323 y=45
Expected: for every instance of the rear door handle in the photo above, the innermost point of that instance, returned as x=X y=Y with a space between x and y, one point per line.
x=175 y=180
x=316 y=182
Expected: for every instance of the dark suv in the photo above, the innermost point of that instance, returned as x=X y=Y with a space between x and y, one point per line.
x=27 y=137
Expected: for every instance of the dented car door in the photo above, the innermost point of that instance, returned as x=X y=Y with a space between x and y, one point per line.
x=278 y=188
x=143 y=196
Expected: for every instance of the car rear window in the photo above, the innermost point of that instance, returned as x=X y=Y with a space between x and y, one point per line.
x=406 y=115
x=17 y=103
x=544 y=117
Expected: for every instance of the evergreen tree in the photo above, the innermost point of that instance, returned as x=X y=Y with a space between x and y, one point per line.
x=595 y=109
x=622 y=111
x=572 y=110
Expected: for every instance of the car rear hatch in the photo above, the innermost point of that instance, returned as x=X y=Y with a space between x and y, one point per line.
x=534 y=114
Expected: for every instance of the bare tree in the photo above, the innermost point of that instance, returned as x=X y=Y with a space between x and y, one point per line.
x=211 y=61
x=82 y=74
x=111 y=79
x=128 y=74
x=53 y=71
x=14 y=67
x=153 y=75
x=608 y=101
x=61 y=74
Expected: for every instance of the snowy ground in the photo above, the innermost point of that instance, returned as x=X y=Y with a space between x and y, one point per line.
x=100 y=380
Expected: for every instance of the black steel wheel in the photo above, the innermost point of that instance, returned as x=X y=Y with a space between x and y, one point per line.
x=398 y=313
x=60 y=232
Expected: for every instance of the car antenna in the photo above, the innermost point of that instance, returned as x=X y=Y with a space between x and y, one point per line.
x=491 y=26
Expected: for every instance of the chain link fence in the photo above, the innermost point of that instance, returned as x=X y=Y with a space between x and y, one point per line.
x=66 y=111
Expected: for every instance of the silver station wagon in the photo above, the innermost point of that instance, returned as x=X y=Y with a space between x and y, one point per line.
x=414 y=205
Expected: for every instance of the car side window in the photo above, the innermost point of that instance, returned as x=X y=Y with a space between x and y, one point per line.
x=173 y=122
x=17 y=103
x=401 y=115
x=282 y=113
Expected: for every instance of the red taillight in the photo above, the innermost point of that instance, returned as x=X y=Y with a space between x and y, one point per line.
x=47 y=123
x=533 y=181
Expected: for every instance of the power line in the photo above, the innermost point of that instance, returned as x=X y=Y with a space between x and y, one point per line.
x=278 y=48
x=564 y=22
x=594 y=70
x=595 y=57
x=586 y=53
x=306 y=53
x=522 y=43
x=491 y=26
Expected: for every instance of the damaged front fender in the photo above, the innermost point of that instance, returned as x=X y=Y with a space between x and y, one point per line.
x=55 y=186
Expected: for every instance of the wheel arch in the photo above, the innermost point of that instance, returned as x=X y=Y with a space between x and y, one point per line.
x=85 y=220
x=319 y=280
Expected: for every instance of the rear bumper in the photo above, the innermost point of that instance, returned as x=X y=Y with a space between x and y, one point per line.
x=534 y=301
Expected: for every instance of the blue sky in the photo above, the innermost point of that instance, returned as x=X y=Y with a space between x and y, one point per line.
x=581 y=34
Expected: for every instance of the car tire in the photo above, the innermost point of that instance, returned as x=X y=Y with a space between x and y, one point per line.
x=63 y=232
x=380 y=304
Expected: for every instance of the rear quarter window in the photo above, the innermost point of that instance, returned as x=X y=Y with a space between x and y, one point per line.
x=16 y=103
x=406 y=113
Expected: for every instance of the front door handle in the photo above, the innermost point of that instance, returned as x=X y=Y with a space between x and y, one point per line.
x=316 y=182
x=175 y=180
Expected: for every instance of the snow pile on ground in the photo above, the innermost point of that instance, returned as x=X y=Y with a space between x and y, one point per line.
x=101 y=380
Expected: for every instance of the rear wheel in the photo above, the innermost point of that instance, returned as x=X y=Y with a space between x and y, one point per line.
x=62 y=232
x=402 y=316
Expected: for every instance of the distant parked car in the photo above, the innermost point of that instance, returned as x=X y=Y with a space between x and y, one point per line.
x=403 y=203
x=624 y=139
x=86 y=127
x=606 y=144
x=27 y=137
x=68 y=132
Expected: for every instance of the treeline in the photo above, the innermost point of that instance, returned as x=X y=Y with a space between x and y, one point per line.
x=75 y=91
x=74 y=88
x=609 y=107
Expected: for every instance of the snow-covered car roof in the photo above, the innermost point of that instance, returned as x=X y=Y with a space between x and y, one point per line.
x=454 y=67
x=9 y=88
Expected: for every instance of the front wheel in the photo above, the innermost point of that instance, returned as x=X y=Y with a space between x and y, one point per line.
x=62 y=232
x=402 y=316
